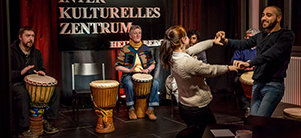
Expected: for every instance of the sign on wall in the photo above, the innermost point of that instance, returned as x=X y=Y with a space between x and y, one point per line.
x=104 y=24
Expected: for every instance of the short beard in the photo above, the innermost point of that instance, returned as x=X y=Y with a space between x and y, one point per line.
x=27 y=44
x=271 y=25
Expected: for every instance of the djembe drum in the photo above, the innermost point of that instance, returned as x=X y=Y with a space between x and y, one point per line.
x=40 y=89
x=247 y=83
x=142 y=87
x=292 y=113
x=104 y=96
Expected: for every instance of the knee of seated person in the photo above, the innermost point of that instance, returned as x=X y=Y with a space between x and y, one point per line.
x=21 y=94
x=128 y=84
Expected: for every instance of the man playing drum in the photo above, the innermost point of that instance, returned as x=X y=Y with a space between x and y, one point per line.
x=136 y=58
x=25 y=60
x=274 y=47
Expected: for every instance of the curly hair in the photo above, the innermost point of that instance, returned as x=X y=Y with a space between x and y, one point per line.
x=194 y=32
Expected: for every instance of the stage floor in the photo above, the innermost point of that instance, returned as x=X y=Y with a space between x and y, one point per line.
x=167 y=125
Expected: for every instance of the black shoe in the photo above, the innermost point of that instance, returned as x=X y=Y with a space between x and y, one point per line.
x=48 y=128
x=27 y=134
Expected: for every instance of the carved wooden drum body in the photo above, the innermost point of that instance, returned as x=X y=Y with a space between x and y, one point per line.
x=247 y=83
x=142 y=87
x=104 y=93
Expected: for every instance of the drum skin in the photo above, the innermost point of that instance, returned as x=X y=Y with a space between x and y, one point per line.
x=142 y=84
x=104 y=93
x=247 y=83
x=40 y=89
x=293 y=113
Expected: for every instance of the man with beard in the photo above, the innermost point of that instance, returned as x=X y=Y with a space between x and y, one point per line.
x=25 y=60
x=274 y=46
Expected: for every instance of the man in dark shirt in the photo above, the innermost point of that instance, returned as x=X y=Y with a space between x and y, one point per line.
x=274 y=47
x=25 y=60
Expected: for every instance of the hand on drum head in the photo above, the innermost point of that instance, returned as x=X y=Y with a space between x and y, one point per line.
x=39 y=72
x=240 y=64
x=144 y=71
x=26 y=69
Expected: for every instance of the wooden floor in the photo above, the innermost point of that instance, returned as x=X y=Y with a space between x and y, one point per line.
x=168 y=124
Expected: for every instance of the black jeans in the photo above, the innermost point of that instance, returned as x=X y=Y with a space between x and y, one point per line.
x=194 y=116
x=22 y=105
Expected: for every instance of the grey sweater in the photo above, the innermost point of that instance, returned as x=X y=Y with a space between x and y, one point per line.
x=190 y=74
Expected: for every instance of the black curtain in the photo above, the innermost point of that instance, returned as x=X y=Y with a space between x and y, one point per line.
x=219 y=15
x=6 y=129
x=208 y=17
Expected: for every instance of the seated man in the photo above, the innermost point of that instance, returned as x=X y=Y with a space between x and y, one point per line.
x=245 y=55
x=136 y=58
x=25 y=60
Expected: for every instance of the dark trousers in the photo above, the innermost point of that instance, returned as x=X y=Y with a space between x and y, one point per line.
x=242 y=99
x=194 y=116
x=22 y=105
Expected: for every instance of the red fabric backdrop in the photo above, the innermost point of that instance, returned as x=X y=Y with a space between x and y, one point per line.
x=41 y=16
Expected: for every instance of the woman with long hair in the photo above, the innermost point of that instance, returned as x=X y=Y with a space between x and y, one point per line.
x=194 y=93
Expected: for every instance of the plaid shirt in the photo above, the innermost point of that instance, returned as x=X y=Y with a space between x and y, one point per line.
x=127 y=56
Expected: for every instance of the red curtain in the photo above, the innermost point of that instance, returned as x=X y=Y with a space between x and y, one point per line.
x=41 y=16
x=187 y=13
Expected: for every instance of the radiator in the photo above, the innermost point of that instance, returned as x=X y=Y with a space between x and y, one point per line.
x=292 y=93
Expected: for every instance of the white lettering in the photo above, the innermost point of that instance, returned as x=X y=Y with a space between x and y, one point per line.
x=65 y=26
x=120 y=44
x=95 y=28
x=74 y=12
x=157 y=12
x=125 y=29
x=132 y=13
x=64 y=12
x=114 y=12
x=85 y=14
x=123 y=12
x=74 y=28
x=81 y=1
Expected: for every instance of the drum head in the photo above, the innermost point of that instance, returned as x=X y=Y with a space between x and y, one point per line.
x=139 y=77
x=293 y=112
x=104 y=84
x=246 y=78
x=41 y=80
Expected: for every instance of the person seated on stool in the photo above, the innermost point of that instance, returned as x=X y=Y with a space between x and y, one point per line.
x=136 y=57
x=25 y=60
x=244 y=55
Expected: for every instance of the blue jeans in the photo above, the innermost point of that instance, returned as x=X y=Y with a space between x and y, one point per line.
x=129 y=92
x=265 y=97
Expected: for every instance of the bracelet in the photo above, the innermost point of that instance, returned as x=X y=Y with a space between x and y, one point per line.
x=148 y=70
